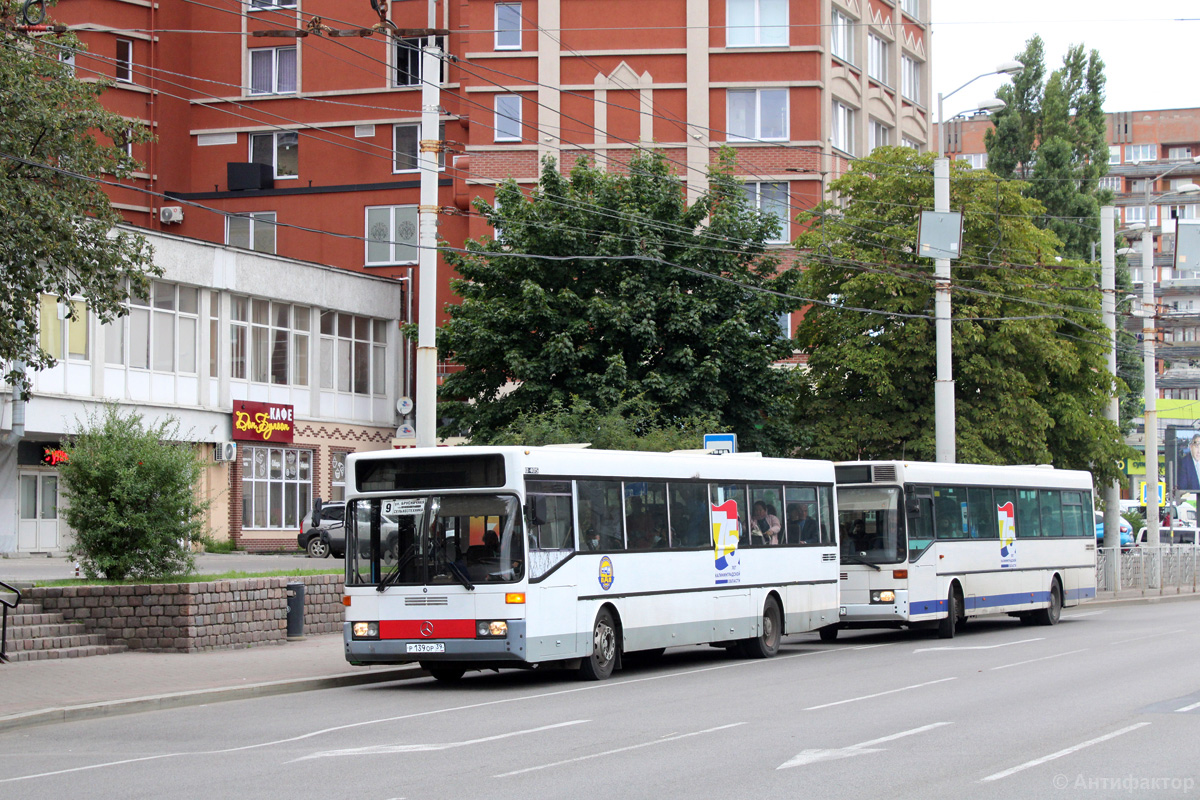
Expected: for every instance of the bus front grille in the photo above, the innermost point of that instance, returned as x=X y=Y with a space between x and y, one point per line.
x=423 y=600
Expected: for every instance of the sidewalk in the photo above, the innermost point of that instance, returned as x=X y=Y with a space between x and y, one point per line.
x=39 y=692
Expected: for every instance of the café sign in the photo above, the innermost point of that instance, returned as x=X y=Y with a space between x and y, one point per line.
x=263 y=422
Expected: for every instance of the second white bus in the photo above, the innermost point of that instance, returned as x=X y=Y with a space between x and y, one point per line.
x=927 y=544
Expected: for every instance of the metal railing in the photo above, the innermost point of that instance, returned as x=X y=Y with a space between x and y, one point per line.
x=1161 y=569
x=7 y=603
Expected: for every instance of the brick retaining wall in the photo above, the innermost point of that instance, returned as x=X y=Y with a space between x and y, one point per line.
x=186 y=617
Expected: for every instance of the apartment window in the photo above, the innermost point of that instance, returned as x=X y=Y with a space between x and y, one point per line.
x=1187 y=211
x=59 y=335
x=976 y=160
x=772 y=199
x=1110 y=182
x=124 y=62
x=879 y=135
x=1141 y=152
x=1138 y=214
x=912 y=8
x=1179 y=153
x=757 y=114
x=337 y=476
x=910 y=78
x=913 y=143
x=877 y=58
x=756 y=23
x=257 y=4
x=508 y=118
x=67 y=57
x=1114 y=154
x=276 y=487
x=1138 y=185
x=253 y=231
x=392 y=235
x=269 y=341
x=842 y=37
x=273 y=70
x=353 y=353
x=842 y=129
x=508 y=26
x=163 y=331
x=408 y=60
x=279 y=150
x=406 y=139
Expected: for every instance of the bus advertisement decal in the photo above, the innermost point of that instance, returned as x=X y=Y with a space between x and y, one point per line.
x=1005 y=515
x=606 y=573
x=725 y=542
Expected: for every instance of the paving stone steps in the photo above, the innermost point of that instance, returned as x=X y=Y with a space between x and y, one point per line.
x=35 y=634
x=67 y=652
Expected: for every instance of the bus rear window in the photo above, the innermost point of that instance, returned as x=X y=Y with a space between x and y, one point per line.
x=437 y=472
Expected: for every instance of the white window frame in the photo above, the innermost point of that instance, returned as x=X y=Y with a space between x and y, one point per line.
x=416 y=155
x=1114 y=154
x=1137 y=213
x=1141 y=152
x=276 y=55
x=407 y=53
x=758 y=116
x=280 y=140
x=353 y=354
x=123 y=63
x=1112 y=182
x=741 y=31
x=337 y=475
x=841 y=128
x=260 y=224
x=878 y=135
x=912 y=8
x=877 y=58
x=913 y=143
x=841 y=36
x=262 y=5
x=910 y=79
x=294 y=492
x=507 y=37
x=398 y=251
x=755 y=194
x=976 y=160
x=60 y=336
x=1178 y=153
x=165 y=322
x=504 y=132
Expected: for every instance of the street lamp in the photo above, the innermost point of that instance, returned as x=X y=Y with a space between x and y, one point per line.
x=943 y=387
x=1150 y=413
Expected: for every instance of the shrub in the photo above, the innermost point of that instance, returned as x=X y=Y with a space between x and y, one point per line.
x=132 y=499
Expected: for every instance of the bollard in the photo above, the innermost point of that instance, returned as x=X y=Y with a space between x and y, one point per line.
x=295 y=613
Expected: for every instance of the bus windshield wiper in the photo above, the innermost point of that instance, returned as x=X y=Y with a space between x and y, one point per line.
x=392 y=576
x=459 y=575
x=859 y=560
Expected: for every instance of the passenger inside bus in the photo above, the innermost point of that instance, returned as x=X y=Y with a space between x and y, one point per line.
x=801 y=527
x=764 y=526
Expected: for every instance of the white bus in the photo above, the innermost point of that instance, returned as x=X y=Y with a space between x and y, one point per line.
x=487 y=557
x=936 y=544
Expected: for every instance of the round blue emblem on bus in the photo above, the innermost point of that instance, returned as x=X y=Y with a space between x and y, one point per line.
x=606 y=573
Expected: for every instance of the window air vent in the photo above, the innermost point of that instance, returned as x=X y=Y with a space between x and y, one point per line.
x=884 y=474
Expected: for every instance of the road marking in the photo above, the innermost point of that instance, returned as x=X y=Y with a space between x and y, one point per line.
x=1084 y=614
x=1061 y=753
x=1043 y=658
x=979 y=646
x=806 y=757
x=878 y=694
x=1150 y=636
x=1186 y=709
x=386 y=749
x=663 y=740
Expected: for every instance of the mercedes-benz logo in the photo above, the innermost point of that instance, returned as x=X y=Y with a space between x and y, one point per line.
x=427 y=629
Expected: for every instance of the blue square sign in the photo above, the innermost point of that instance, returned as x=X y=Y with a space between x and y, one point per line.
x=720 y=442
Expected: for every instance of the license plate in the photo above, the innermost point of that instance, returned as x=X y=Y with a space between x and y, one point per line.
x=427 y=647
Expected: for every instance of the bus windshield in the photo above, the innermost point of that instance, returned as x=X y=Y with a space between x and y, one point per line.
x=435 y=539
x=869 y=519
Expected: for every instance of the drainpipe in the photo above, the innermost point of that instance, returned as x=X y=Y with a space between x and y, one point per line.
x=18 y=407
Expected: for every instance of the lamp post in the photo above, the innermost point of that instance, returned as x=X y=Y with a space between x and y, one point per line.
x=943 y=387
x=1150 y=413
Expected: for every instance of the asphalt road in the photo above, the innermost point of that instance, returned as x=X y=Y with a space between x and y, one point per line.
x=1107 y=704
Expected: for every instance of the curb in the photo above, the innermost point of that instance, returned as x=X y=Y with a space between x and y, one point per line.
x=161 y=702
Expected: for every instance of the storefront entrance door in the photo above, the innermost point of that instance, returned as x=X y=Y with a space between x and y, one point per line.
x=37 y=526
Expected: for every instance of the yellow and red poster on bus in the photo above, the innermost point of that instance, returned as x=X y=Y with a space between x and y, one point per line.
x=725 y=542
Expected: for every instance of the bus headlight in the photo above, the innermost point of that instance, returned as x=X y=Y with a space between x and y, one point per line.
x=883 y=596
x=365 y=630
x=491 y=629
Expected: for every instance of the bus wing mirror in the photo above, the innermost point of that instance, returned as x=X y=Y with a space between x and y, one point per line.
x=535 y=510
x=912 y=506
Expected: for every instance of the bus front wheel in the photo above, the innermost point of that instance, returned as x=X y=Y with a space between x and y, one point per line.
x=599 y=665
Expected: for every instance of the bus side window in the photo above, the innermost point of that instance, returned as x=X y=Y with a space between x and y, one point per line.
x=1029 y=524
x=827 y=519
x=600 y=513
x=689 y=515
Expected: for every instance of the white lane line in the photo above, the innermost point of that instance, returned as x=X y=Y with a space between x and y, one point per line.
x=1186 y=709
x=1061 y=753
x=979 y=646
x=387 y=749
x=869 y=646
x=1043 y=658
x=806 y=757
x=589 y=756
x=878 y=694
x=1150 y=636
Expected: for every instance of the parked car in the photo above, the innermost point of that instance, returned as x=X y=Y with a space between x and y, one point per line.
x=1126 y=531
x=326 y=534
x=1176 y=535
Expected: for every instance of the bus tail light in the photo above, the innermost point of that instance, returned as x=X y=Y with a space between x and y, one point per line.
x=365 y=630
x=900 y=574
x=491 y=629
x=515 y=598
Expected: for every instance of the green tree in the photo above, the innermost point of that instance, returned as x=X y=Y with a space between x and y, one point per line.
x=1028 y=347
x=57 y=227
x=1052 y=134
x=132 y=498
x=607 y=286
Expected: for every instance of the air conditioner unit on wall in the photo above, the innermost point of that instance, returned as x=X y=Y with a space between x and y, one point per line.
x=170 y=214
x=224 y=451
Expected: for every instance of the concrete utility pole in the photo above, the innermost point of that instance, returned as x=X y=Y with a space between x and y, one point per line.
x=431 y=99
x=1108 y=306
x=943 y=387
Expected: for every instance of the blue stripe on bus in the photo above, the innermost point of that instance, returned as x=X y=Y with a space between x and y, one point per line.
x=995 y=600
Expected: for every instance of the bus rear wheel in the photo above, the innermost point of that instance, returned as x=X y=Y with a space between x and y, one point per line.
x=599 y=665
x=948 y=626
x=829 y=633
x=1050 y=616
x=766 y=644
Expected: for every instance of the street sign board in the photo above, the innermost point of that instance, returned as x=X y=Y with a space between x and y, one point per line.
x=720 y=442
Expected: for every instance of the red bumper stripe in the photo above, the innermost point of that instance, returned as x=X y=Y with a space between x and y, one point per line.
x=427 y=629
